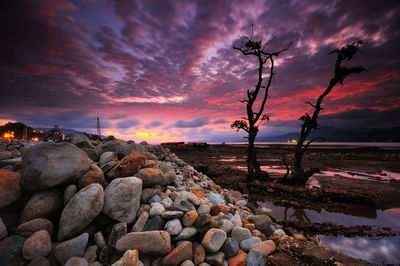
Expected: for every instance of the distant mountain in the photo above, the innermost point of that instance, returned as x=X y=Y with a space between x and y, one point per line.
x=332 y=134
x=66 y=131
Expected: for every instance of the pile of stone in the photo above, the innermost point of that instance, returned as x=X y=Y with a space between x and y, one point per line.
x=122 y=203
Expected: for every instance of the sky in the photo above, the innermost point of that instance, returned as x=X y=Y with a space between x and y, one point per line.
x=160 y=71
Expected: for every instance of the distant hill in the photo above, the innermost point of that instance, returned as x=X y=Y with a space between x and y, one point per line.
x=343 y=135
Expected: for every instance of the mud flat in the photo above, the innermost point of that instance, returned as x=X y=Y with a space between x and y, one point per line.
x=352 y=204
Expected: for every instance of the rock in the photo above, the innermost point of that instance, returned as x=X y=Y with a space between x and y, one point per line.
x=168 y=215
x=5 y=154
x=107 y=157
x=76 y=261
x=94 y=175
x=279 y=233
x=173 y=227
x=187 y=263
x=80 y=211
x=69 y=192
x=38 y=244
x=127 y=149
x=204 y=209
x=265 y=247
x=236 y=220
x=122 y=199
x=165 y=167
x=43 y=204
x=39 y=261
x=189 y=218
x=215 y=198
x=140 y=222
x=151 y=177
x=255 y=258
x=245 y=244
x=215 y=258
x=261 y=221
x=150 y=164
x=150 y=156
x=213 y=240
x=3 y=230
x=170 y=177
x=157 y=243
x=90 y=254
x=99 y=240
x=149 y=195
x=240 y=233
x=186 y=233
x=155 y=223
x=50 y=164
x=74 y=247
x=227 y=225
x=30 y=227
x=181 y=253
x=130 y=258
x=156 y=209
x=199 y=254
x=230 y=247
x=128 y=166
x=217 y=208
x=239 y=260
x=10 y=188
x=118 y=231
x=81 y=141
x=11 y=250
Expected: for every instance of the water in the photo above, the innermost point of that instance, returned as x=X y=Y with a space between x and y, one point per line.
x=374 y=249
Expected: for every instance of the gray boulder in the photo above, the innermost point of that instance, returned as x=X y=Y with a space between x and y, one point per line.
x=50 y=164
x=81 y=210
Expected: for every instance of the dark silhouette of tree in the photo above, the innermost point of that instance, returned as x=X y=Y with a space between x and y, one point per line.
x=251 y=123
x=310 y=123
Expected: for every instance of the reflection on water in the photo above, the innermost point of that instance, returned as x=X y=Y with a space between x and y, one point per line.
x=376 y=250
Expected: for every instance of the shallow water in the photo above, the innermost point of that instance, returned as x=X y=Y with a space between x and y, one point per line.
x=374 y=249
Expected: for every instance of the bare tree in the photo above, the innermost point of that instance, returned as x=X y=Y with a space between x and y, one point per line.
x=310 y=123
x=251 y=123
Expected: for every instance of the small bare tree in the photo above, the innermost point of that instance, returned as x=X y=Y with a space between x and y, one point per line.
x=310 y=123
x=251 y=123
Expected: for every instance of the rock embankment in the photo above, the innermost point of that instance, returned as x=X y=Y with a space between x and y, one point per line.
x=117 y=203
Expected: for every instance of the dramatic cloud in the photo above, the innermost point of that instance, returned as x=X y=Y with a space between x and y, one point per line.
x=137 y=63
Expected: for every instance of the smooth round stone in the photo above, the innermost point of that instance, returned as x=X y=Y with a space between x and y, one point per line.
x=167 y=202
x=264 y=247
x=255 y=258
x=213 y=240
x=215 y=258
x=245 y=244
x=38 y=244
x=69 y=192
x=203 y=209
x=155 y=223
x=261 y=221
x=227 y=225
x=10 y=187
x=74 y=247
x=76 y=261
x=156 y=198
x=173 y=227
x=39 y=261
x=279 y=233
x=240 y=233
x=215 y=198
x=11 y=250
x=140 y=222
x=168 y=215
x=30 y=227
x=187 y=263
x=157 y=243
x=156 y=209
x=230 y=247
x=151 y=177
x=189 y=218
x=182 y=252
x=236 y=220
x=186 y=233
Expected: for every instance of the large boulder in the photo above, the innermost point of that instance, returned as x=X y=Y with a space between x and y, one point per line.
x=128 y=166
x=122 y=199
x=151 y=177
x=127 y=149
x=80 y=211
x=81 y=141
x=50 y=164
x=43 y=204
x=10 y=188
x=94 y=175
x=38 y=244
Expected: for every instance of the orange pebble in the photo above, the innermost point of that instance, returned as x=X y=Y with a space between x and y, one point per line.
x=239 y=260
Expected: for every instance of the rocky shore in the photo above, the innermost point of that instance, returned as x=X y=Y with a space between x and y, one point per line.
x=122 y=203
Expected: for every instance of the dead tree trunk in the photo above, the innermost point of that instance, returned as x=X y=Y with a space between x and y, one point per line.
x=251 y=123
x=310 y=123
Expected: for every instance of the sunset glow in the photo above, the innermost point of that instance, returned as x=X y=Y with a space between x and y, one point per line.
x=166 y=71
